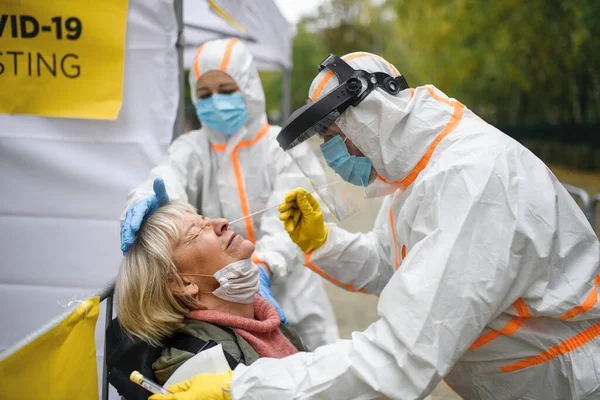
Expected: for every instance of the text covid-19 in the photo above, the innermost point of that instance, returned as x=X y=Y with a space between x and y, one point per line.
x=38 y=64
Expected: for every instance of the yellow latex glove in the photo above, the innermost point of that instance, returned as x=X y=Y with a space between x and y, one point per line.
x=202 y=386
x=303 y=219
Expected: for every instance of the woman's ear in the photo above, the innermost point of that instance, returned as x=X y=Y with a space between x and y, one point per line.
x=182 y=287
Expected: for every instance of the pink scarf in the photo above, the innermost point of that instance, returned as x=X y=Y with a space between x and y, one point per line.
x=262 y=333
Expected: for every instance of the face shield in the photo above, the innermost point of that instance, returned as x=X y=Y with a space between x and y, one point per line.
x=314 y=125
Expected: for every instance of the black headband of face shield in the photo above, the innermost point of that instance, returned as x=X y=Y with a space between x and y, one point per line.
x=348 y=93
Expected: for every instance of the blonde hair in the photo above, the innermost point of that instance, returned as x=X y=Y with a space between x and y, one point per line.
x=146 y=306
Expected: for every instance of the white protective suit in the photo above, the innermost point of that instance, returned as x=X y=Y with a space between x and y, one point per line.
x=234 y=177
x=487 y=269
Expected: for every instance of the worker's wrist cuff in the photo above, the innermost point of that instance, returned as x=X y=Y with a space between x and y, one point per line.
x=275 y=261
x=323 y=249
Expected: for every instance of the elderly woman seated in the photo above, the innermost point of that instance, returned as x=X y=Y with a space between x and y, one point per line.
x=191 y=273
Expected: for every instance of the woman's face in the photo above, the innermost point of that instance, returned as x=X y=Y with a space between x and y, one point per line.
x=207 y=245
x=215 y=82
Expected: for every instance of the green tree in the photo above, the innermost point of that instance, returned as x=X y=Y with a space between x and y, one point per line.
x=513 y=62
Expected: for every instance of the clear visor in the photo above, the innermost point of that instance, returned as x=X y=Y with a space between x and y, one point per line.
x=343 y=200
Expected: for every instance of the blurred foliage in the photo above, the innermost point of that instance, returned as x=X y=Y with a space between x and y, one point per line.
x=512 y=62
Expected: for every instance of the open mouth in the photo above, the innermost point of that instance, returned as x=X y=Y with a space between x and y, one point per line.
x=231 y=240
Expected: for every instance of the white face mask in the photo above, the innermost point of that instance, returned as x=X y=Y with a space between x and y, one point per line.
x=239 y=281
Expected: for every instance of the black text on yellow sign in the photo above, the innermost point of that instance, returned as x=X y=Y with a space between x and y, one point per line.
x=62 y=58
x=28 y=27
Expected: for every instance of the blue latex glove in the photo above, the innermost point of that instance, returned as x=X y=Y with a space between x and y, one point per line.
x=265 y=293
x=140 y=210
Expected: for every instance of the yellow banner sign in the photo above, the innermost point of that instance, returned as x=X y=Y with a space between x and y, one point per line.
x=62 y=58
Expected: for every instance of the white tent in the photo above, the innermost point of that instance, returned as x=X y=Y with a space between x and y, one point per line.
x=267 y=34
x=64 y=181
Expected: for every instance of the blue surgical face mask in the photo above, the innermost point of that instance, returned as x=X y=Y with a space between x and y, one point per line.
x=352 y=169
x=225 y=113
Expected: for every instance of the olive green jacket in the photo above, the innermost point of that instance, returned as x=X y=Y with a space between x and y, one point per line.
x=234 y=344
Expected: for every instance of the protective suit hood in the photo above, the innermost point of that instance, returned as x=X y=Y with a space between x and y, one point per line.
x=393 y=131
x=232 y=57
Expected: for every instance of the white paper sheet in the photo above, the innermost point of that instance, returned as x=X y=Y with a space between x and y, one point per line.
x=210 y=361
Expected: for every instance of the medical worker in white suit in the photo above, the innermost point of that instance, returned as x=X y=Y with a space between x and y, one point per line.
x=232 y=167
x=487 y=270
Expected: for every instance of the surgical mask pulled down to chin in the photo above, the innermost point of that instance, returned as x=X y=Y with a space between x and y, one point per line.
x=352 y=169
x=238 y=281
x=225 y=113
